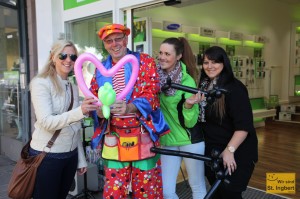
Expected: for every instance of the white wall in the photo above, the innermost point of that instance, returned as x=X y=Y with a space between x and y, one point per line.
x=123 y=4
x=44 y=27
x=51 y=18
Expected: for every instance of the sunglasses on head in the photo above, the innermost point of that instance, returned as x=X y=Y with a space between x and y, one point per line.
x=63 y=56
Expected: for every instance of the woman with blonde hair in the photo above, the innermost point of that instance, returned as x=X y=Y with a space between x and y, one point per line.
x=56 y=104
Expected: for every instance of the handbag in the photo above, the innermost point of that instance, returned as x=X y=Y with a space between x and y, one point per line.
x=21 y=184
x=127 y=144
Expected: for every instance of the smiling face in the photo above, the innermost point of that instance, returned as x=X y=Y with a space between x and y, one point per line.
x=167 y=57
x=65 y=66
x=116 y=45
x=211 y=68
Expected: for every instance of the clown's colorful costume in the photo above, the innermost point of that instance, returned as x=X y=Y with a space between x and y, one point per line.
x=144 y=175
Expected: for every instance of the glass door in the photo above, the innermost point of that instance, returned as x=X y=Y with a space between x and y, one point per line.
x=10 y=112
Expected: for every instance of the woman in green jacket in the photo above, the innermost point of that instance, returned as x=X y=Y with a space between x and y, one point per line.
x=177 y=61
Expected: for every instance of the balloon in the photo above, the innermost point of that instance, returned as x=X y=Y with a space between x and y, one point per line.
x=107 y=96
x=106 y=111
x=108 y=73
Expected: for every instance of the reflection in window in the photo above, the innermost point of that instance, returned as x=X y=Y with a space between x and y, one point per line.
x=84 y=34
x=9 y=2
x=10 y=110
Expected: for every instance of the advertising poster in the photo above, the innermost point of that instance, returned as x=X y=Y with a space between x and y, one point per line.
x=142 y=35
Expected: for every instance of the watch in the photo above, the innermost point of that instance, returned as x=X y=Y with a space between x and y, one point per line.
x=231 y=149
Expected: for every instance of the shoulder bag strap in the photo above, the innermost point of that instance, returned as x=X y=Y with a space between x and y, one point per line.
x=51 y=141
x=179 y=109
x=163 y=104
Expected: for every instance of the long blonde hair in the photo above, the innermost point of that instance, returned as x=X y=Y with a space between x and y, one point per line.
x=49 y=69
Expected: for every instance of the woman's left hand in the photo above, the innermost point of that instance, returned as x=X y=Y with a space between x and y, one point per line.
x=194 y=99
x=229 y=161
x=82 y=170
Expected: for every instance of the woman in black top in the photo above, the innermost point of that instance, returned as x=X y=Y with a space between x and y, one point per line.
x=228 y=124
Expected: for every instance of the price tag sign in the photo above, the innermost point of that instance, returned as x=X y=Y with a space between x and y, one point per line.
x=207 y=32
x=236 y=36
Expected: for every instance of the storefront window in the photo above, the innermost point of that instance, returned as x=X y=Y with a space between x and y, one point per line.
x=9 y=2
x=10 y=112
x=84 y=34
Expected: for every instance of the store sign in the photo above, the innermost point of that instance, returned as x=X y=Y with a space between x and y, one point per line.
x=236 y=36
x=172 y=26
x=281 y=183
x=207 y=32
x=68 y=4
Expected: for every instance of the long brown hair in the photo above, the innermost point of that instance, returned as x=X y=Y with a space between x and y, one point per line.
x=183 y=47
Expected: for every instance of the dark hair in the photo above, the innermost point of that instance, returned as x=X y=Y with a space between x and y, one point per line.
x=182 y=46
x=219 y=55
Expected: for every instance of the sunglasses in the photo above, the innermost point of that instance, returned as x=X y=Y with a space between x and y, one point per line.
x=63 y=56
x=117 y=40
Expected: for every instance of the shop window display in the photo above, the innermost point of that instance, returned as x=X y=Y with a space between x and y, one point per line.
x=10 y=100
x=10 y=112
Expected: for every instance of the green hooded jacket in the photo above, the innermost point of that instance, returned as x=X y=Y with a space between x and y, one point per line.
x=178 y=136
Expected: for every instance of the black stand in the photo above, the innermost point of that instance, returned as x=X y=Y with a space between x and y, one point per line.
x=85 y=193
x=214 y=162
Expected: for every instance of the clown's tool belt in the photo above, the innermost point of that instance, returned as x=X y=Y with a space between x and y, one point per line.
x=126 y=140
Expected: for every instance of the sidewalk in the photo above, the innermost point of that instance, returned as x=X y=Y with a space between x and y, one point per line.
x=6 y=167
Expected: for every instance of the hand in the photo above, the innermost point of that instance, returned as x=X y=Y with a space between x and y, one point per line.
x=88 y=104
x=229 y=161
x=119 y=107
x=82 y=170
x=194 y=99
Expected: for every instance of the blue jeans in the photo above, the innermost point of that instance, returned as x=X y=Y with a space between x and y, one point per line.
x=55 y=175
x=195 y=169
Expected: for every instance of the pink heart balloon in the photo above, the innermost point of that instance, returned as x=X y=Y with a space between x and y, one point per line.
x=108 y=73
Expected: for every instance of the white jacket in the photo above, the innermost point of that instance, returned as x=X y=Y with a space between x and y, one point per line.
x=51 y=115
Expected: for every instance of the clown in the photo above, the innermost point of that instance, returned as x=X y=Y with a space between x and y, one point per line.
x=139 y=108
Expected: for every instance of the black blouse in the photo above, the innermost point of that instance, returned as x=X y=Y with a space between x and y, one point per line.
x=238 y=116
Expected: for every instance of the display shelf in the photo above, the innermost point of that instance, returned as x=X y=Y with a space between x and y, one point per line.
x=263 y=113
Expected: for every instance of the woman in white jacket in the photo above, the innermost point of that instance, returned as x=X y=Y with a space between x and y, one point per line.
x=51 y=98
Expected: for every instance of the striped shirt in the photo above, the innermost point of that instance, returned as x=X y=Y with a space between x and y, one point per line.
x=119 y=80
